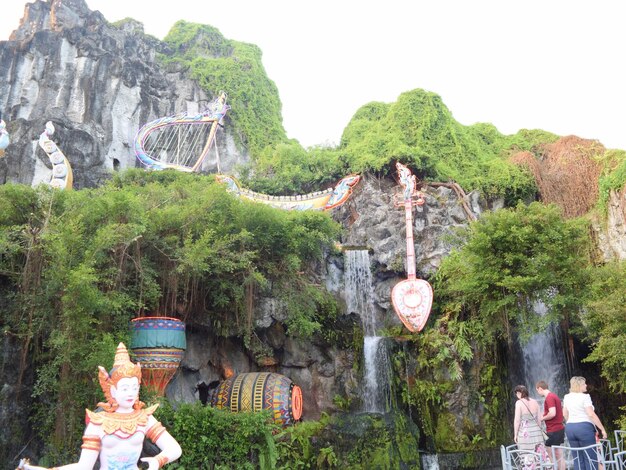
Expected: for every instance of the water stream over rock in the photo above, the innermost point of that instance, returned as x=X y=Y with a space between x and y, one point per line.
x=359 y=299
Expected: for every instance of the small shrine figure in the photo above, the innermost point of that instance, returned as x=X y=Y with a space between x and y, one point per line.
x=116 y=435
x=407 y=180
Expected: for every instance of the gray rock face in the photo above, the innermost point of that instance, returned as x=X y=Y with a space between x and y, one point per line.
x=612 y=236
x=373 y=222
x=380 y=226
x=98 y=84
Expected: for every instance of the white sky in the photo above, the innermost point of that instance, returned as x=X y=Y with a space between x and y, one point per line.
x=556 y=65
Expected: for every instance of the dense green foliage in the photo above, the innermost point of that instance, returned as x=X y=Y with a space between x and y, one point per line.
x=219 y=439
x=613 y=177
x=288 y=168
x=236 y=68
x=490 y=285
x=212 y=438
x=78 y=266
x=508 y=262
x=419 y=130
x=605 y=322
x=604 y=326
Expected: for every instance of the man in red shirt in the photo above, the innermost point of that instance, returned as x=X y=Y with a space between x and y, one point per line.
x=553 y=416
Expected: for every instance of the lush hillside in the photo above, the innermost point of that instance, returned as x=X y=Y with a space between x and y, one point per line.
x=219 y=64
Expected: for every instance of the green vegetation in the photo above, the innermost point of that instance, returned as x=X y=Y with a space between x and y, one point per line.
x=613 y=177
x=488 y=287
x=604 y=326
x=510 y=260
x=235 y=67
x=219 y=439
x=419 y=130
x=75 y=267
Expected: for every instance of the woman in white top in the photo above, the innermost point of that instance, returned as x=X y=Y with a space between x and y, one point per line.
x=581 y=424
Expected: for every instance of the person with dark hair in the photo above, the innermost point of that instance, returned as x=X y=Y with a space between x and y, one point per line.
x=581 y=425
x=526 y=428
x=553 y=417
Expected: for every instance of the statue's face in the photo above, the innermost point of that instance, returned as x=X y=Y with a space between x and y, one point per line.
x=126 y=392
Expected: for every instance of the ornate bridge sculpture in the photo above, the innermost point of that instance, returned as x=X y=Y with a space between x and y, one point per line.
x=321 y=200
x=181 y=141
x=411 y=298
x=4 y=137
x=62 y=176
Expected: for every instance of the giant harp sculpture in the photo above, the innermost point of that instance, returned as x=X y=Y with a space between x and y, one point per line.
x=412 y=298
x=182 y=141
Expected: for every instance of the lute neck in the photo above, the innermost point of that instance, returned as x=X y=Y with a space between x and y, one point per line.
x=410 y=246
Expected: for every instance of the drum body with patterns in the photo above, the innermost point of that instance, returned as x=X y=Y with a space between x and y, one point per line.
x=256 y=391
x=158 y=344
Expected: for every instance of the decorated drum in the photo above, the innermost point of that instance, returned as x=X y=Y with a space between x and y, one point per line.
x=256 y=391
x=158 y=344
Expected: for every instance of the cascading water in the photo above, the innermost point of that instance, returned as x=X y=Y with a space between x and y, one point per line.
x=545 y=359
x=360 y=299
x=430 y=462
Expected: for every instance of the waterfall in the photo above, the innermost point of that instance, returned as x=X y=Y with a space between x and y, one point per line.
x=430 y=462
x=360 y=299
x=358 y=288
x=544 y=359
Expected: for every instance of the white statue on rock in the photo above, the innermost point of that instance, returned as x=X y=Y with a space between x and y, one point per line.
x=116 y=435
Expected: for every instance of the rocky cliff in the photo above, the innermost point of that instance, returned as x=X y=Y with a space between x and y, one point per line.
x=372 y=222
x=98 y=83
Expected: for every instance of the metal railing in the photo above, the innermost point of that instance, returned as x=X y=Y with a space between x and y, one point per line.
x=600 y=456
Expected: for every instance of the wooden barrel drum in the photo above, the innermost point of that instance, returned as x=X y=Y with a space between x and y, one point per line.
x=256 y=391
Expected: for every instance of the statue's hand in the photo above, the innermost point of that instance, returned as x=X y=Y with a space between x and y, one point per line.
x=153 y=463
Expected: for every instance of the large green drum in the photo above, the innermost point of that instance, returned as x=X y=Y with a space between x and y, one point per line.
x=256 y=391
x=158 y=343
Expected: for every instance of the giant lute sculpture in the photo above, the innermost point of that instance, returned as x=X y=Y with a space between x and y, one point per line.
x=182 y=141
x=411 y=298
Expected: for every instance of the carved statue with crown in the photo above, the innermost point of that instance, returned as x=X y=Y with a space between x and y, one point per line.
x=116 y=435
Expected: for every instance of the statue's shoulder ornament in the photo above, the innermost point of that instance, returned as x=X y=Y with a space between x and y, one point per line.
x=127 y=423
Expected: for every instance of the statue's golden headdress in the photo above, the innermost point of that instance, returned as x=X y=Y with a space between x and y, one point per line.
x=122 y=368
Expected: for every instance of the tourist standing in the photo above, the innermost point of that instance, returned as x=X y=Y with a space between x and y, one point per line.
x=553 y=417
x=526 y=424
x=581 y=420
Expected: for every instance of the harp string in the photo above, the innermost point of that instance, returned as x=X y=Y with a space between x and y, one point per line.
x=181 y=144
